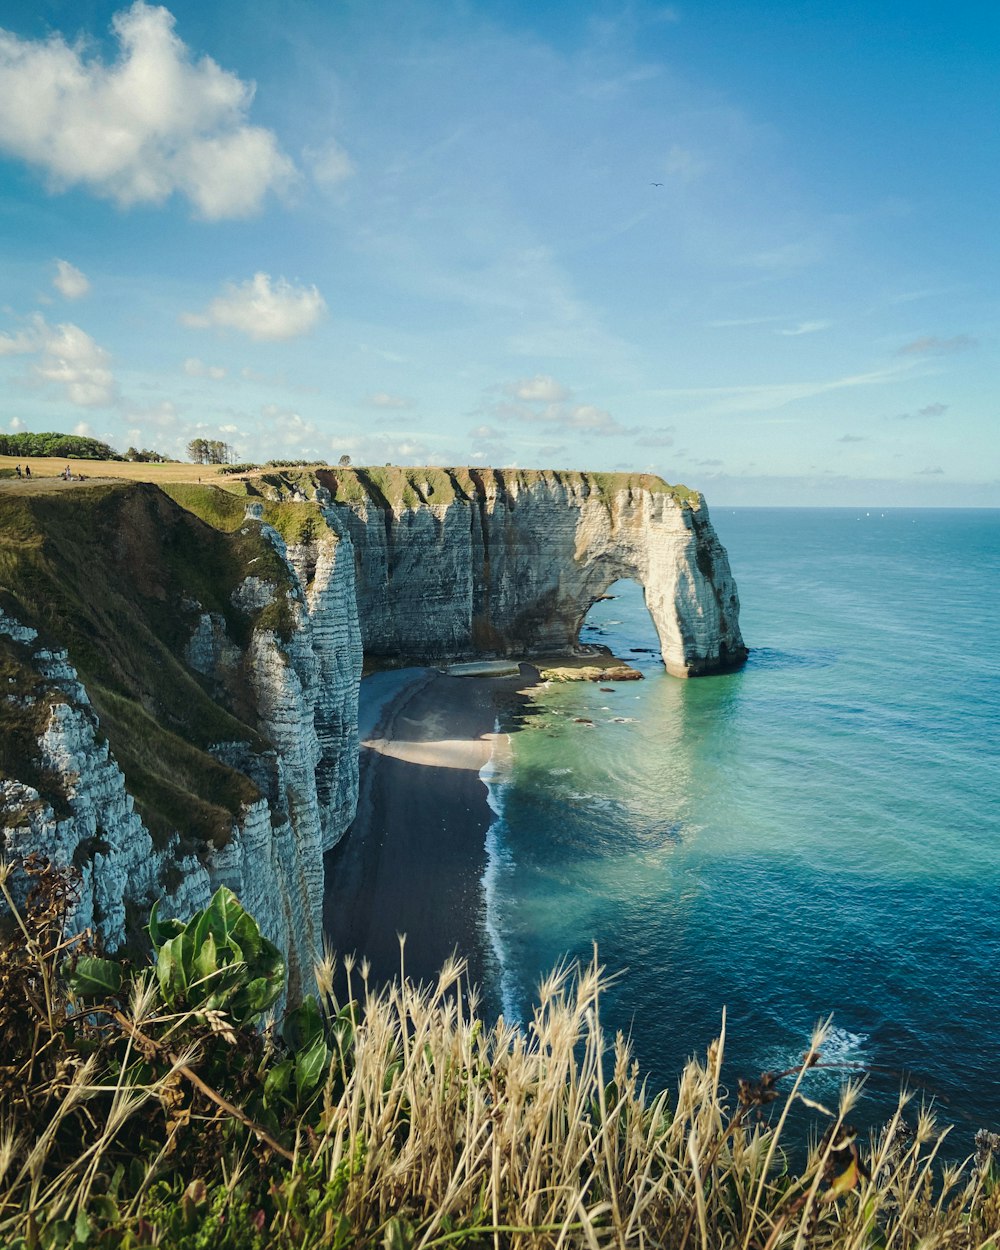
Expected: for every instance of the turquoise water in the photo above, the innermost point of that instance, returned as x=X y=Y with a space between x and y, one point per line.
x=817 y=833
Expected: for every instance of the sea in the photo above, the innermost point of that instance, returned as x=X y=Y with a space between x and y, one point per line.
x=815 y=836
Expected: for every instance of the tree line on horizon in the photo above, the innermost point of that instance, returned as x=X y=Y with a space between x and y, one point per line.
x=72 y=447
x=52 y=443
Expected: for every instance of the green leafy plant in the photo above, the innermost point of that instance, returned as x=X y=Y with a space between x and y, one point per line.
x=218 y=961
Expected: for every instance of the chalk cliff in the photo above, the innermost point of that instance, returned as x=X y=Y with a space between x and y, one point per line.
x=463 y=562
x=201 y=726
x=180 y=667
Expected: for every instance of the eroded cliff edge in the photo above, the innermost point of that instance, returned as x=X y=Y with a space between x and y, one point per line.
x=181 y=665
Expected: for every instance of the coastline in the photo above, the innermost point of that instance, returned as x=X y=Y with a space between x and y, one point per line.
x=415 y=859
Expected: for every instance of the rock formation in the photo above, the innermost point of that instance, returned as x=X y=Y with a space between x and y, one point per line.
x=182 y=665
x=509 y=563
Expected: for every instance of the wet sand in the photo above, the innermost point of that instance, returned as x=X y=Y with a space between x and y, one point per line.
x=413 y=861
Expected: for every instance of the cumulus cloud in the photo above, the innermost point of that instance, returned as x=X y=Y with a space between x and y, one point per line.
x=83 y=429
x=262 y=310
x=581 y=418
x=69 y=281
x=385 y=448
x=23 y=343
x=196 y=368
x=67 y=357
x=153 y=122
x=544 y=401
x=485 y=431
x=539 y=388
x=72 y=360
x=385 y=401
x=931 y=346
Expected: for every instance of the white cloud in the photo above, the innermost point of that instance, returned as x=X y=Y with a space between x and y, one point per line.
x=544 y=401
x=584 y=419
x=485 y=431
x=69 y=281
x=262 y=311
x=540 y=387
x=16 y=423
x=164 y=416
x=67 y=357
x=153 y=122
x=382 y=399
x=402 y=450
x=196 y=368
x=329 y=164
x=23 y=343
x=83 y=429
x=71 y=359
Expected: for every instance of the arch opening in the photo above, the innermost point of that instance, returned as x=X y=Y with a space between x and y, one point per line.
x=620 y=621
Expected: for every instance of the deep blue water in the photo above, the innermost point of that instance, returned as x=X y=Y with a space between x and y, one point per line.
x=817 y=833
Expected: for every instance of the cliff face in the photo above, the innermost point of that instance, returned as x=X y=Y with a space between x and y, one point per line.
x=179 y=668
x=463 y=563
x=210 y=734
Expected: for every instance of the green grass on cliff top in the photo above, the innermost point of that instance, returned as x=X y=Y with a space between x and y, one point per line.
x=118 y=575
x=398 y=488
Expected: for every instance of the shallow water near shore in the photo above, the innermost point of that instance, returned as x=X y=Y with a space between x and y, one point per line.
x=817 y=833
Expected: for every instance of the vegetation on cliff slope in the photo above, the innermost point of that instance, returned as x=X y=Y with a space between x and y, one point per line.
x=118 y=575
x=396 y=487
x=142 y=1107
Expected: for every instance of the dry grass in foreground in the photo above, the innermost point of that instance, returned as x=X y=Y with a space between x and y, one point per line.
x=144 y=1108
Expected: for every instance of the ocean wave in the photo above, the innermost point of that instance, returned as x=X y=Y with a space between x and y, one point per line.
x=499 y=863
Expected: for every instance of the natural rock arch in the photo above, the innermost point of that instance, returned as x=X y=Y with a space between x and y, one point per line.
x=513 y=561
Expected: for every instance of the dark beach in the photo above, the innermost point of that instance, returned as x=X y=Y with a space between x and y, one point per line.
x=414 y=858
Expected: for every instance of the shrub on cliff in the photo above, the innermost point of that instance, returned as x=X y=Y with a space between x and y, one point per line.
x=145 y=1107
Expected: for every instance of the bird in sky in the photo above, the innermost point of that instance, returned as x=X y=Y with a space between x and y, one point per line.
x=656 y=184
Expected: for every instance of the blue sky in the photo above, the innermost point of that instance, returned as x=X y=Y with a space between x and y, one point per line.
x=751 y=247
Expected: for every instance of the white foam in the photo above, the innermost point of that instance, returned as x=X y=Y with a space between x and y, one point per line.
x=498 y=861
x=843 y=1055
